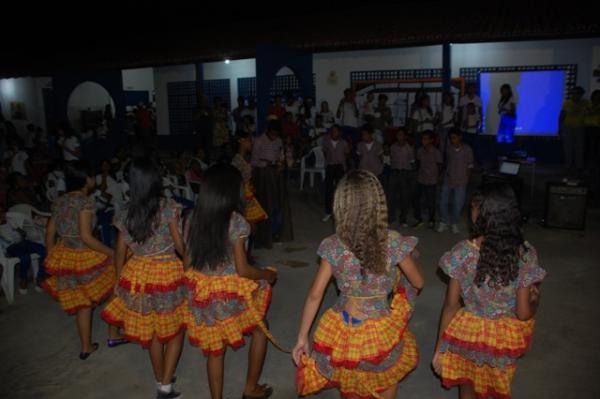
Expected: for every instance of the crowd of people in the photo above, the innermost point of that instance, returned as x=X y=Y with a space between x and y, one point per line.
x=167 y=242
x=171 y=273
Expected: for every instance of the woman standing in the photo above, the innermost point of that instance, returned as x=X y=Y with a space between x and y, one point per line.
x=507 y=110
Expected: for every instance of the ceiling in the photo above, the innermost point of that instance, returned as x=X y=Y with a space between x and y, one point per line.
x=116 y=36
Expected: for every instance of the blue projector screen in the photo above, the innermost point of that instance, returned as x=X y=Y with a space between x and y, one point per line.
x=538 y=95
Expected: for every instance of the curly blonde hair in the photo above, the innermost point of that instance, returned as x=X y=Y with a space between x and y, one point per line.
x=361 y=217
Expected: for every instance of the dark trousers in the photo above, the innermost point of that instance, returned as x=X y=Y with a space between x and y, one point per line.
x=107 y=233
x=272 y=194
x=399 y=191
x=429 y=192
x=23 y=251
x=333 y=174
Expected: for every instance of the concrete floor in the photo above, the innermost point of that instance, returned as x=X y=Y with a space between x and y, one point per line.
x=39 y=344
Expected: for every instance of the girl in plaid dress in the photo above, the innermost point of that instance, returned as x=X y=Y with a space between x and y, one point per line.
x=80 y=267
x=150 y=294
x=495 y=273
x=227 y=297
x=361 y=345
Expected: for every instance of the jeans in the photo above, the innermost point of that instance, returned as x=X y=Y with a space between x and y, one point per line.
x=333 y=174
x=429 y=192
x=458 y=200
x=400 y=187
x=23 y=251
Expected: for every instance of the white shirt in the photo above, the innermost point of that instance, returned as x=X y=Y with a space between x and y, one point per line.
x=447 y=115
x=113 y=188
x=507 y=107
x=313 y=114
x=55 y=184
x=72 y=143
x=328 y=119
x=18 y=162
x=292 y=108
x=368 y=109
x=348 y=117
x=465 y=100
x=472 y=122
x=9 y=234
x=424 y=119
x=369 y=145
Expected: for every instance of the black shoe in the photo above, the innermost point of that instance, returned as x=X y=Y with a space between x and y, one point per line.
x=85 y=355
x=173 y=394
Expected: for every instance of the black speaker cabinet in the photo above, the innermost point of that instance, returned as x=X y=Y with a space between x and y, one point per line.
x=566 y=206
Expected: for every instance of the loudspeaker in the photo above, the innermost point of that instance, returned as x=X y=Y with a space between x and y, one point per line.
x=566 y=206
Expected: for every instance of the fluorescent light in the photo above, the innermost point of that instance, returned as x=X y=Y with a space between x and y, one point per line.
x=227 y=61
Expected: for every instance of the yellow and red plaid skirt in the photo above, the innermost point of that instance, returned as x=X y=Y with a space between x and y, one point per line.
x=253 y=211
x=150 y=299
x=482 y=352
x=224 y=308
x=361 y=360
x=79 y=278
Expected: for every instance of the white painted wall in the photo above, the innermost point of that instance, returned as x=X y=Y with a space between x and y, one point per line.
x=245 y=68
x=162 y=76
x=28 y=91
x=342 y=63
x=140 y=79
x=87 y=96
x=583 y=52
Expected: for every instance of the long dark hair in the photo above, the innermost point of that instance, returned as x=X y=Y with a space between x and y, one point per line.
x=145 y=192
x=220 y=195
x=76 y=174
x=500 y=224
x=505 y=99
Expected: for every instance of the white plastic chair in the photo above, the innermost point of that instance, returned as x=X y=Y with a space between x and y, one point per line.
x=171 y=182
x=319 y=166
x=21 y=217
x=8 y=273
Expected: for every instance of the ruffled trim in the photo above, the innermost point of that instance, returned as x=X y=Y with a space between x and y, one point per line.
x=357 y=384
x=164 y=326
x=152 y=288
x=486 y=381
x=159 y=274
x=64 y=261
x=205 y=290
x=85 y=296
x=497 y=337
x=372 y=341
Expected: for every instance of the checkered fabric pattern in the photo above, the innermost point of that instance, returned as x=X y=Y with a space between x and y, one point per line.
x=372 y=340
x=503 y=337
x=205 y=290
x=149 y=276
x=253 y=212
x=79 y=278
x=358 y=384
x=488 y=382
